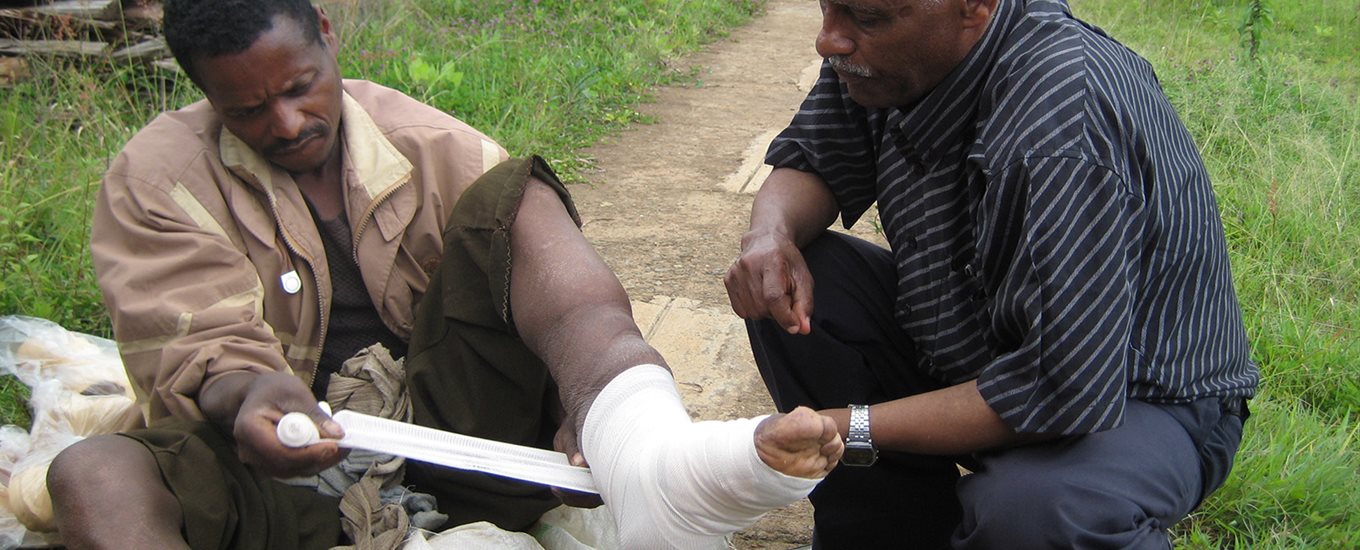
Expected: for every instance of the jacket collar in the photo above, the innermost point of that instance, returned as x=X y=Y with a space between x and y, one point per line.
x=376 y=163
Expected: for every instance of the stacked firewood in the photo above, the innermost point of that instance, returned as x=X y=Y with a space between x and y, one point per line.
x=120 y=30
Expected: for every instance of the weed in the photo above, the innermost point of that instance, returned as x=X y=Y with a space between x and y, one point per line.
x=1259 y=17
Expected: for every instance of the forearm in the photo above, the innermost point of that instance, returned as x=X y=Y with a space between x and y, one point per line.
x=948 y=421
x=794 y=204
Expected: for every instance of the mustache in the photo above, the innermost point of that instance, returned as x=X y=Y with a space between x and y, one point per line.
x=310 y=132
x=843 y=65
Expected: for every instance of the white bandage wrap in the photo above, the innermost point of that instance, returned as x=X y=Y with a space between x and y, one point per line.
x=394 y=437
x=671 y=482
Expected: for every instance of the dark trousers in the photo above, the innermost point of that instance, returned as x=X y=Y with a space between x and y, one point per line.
x=1120 y=488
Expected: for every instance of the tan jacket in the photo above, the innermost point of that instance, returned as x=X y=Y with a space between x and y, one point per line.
x=209 y=260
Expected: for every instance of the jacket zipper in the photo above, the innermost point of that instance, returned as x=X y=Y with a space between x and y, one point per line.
x=368 y=214
x=311 y=264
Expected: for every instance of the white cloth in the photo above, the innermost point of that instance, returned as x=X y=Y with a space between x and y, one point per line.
x=671 y=482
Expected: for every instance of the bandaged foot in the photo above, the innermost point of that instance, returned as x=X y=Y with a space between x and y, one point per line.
x=674 y=483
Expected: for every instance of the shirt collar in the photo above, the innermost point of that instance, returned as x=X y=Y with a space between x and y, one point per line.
x=376 y=163
x=941 y=119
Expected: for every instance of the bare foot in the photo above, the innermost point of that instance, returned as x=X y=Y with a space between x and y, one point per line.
x=801 y=443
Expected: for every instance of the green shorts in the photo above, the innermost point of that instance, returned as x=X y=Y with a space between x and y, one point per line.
x=234 y=505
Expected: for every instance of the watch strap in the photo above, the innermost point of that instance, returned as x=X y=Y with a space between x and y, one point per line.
x=859 y=425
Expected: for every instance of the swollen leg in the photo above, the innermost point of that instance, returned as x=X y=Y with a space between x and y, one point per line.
x=674 y=483
x=107 y=492
x=669 y=482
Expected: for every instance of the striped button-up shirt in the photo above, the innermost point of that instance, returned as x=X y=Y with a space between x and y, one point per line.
x=1055 y=231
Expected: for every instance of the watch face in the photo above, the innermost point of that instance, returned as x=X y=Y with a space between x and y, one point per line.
x=859 y=454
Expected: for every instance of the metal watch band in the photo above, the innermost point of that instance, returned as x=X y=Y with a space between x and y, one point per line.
x=859 y=446
x=859 y=424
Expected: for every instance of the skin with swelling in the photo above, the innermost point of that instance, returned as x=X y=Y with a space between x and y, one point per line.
x=587 y=336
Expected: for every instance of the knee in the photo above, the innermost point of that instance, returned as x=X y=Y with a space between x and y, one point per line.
x=95 y=465
x=1007 y=506
x=1048 y=511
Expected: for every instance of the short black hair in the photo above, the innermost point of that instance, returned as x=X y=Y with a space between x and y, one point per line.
x=224 y=27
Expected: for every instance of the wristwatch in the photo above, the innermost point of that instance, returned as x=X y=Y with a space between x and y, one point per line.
x=859 y=447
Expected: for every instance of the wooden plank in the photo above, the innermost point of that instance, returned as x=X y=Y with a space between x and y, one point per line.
x=143 y=16
x=32 y=19
x=52 y=47
x=150 y=49
x=168 y=64
x=107 y=10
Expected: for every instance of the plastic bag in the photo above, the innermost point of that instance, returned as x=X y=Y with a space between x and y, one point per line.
x=35 y=350
x=78 y=389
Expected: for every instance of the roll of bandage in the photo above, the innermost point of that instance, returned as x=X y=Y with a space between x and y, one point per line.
x=296 y=429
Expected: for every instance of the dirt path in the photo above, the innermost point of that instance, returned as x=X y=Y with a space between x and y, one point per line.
x=670 y=201
x=658 y=208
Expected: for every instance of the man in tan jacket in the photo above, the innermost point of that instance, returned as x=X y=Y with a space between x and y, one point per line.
x=248 y=244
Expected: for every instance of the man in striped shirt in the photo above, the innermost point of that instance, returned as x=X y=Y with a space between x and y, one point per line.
x=1056 y=311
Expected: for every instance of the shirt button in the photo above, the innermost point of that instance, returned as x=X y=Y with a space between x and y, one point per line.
x=968 y=270
x=911 y=243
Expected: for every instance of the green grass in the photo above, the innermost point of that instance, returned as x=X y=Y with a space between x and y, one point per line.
x=547 y=76
x=58 y=131
x=1293 y=485
x=1280 y=135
